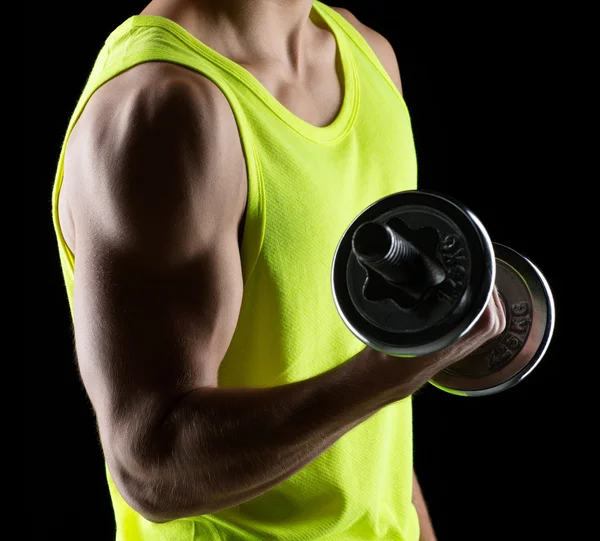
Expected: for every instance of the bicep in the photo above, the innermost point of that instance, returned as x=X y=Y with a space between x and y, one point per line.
x=158 y=281
x=147 y=330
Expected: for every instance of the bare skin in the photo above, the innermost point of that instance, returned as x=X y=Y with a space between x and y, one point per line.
x=152 y=204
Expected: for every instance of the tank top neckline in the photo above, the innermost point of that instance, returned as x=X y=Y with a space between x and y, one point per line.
x=346 y=115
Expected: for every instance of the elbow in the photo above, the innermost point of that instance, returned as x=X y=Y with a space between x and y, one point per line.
x=140 y=491
x=160 y=512
x=157 y=497
x=152 y=512
x=156 y=478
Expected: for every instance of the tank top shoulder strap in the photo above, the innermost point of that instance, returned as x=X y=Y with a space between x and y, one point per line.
x=333 y=17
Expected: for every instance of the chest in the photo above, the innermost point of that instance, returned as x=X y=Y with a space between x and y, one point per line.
x=314 y=95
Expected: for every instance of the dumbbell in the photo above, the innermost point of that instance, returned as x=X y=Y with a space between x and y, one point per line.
x=414 y=271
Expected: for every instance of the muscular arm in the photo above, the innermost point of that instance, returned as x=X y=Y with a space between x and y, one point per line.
x=156 y=186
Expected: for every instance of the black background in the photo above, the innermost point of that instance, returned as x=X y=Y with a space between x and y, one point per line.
x=482 y=91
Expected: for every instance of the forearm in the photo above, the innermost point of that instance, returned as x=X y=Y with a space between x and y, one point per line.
x=425 y=525
x=221 y=447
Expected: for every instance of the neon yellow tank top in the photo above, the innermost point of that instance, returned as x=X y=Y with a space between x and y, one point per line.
x=305 y=185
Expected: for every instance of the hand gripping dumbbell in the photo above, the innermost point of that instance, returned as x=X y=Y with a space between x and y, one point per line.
x=414 y=271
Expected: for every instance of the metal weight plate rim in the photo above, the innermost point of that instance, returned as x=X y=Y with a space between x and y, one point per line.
x=531 y=274
x=464 y=325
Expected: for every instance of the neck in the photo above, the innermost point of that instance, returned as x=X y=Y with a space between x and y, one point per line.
x=246 y=29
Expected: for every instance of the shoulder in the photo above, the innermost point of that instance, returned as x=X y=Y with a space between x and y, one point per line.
x=156 y=114
x=152 y=100
x=381 y=46
x=147 y=140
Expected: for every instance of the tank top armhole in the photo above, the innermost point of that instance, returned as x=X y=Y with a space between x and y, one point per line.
x=255 y=216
